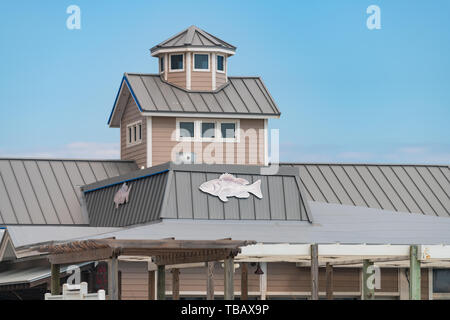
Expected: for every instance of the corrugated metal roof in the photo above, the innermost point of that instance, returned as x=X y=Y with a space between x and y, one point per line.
x=47 y=191
x=406 y=188
x=333 y=223
x=193 y=37
x=30 y=275
x=172 y=191
x=246 y=96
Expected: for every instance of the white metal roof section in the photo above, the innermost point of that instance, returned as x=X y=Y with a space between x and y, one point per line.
x=29 y=275
x=47 y=191
x=193 y=37
x=22 y=236
x=333 y=223
x=421 y=189
x=241 y=97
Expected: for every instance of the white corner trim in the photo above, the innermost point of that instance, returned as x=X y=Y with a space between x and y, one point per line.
x=188 y=70
x=266 y=142
x=213 y=68
x=149 y=142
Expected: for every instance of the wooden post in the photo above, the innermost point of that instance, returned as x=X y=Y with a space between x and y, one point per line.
x=244 y=281
x=414 y=273
x=151 y=285
x=176 y=284
x=314 y=272
x=329 y=281
x=55 y=285
x=210 y=281
x=228 y=279
x=113 y=281
x=368 y=285
x=119 y=276
x=161 y=290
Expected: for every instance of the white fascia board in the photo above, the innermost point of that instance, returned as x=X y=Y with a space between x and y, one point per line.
x=192 y=49
x=433 y=252
x=208 y=115
x=325 y=250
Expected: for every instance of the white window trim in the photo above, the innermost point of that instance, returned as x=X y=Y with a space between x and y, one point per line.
x=132 y=125
x=209 y=62
x=162 y=64
x=170 y=62
x=198 y=130
x=224 y=61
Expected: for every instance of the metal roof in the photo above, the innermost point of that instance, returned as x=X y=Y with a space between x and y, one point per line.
x=245 y=96
x=333 y=223
x=421 y=189
x=172 y=191
x=32 y=274
x=47 y=192
x=193 y=37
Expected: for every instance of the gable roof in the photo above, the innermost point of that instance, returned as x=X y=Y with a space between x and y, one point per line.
x=47 y=191
x=193 y=37
x=421 y=189
x=172 y=191
x=239 y=97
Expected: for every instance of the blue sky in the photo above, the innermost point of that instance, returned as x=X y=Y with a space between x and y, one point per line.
x=346 y=93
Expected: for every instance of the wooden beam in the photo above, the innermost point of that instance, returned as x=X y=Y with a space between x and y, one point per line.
x=119 y=277
x=314 y=272
x=368 y=285
x=81 y=256
x=329 y=281
x=55 y=283
x=176 y=284
x=210 y=281
x=414 y=273
x=161 y=286
x=151 y=285
x=228 y=279
x=244 y=281
x=113 y=280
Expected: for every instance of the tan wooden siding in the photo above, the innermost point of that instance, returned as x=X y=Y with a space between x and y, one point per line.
x=135 y=280
x=250 y=149
x=136 y=152
x=424 y=284
x=221 y=79
x=287 y=277
x=178 y=78
x=389 y=280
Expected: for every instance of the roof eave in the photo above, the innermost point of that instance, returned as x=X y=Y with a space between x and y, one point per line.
x=190 y=48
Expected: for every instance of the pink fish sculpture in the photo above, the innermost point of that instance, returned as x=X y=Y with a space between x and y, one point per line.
x=122 y=195
x=229 y=186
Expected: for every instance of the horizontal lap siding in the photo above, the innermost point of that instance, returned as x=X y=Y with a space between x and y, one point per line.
x=177 y=78
x=221 y=79
x=138 y=152
x=250 y=149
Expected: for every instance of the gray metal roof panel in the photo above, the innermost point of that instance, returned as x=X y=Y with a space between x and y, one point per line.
x=172 y=191
x=193 y=37
x=333 y=223
x=46 y=191
x=404 y=188
x=239 y=96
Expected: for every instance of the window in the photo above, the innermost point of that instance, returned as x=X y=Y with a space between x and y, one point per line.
x=186 y=129
x=441 y=280
x=228 y=130
x=201 y=62
x=134 y=133
x=208 y=130
x=221 y=63
x=176 y=62
x=161 y=64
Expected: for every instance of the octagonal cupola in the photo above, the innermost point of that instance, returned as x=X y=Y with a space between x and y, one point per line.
x=194 y=60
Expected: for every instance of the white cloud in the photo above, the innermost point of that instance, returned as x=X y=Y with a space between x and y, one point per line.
x=75 y=150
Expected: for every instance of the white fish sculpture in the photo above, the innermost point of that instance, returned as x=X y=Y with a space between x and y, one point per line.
x=229 y=186
x=122 y=195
